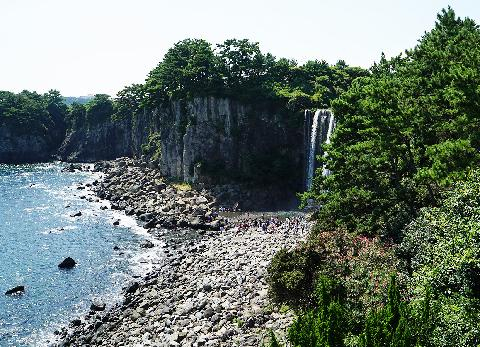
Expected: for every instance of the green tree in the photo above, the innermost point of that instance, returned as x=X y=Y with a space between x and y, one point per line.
x=99 y=109
x=77 y=116
x=244 y=68
x=129 y=101
x=405 y=132
x=188 y=69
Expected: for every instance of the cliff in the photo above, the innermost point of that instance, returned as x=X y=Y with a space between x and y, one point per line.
x=202 y=140
x=22 y=147
x=109 y=140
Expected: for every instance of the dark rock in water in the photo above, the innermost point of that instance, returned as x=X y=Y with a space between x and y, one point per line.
x=75 y=323
x=147 y=244
x=117 y=222
x=67 y=263
x=103 y=207
x=16 y=291
x=95 y=306
x=146 y=217
x=133 y=288
x=116 y=248
x=72 y=168
x=150 y=224
x=78 y=214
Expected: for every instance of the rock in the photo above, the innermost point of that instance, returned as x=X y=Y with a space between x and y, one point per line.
x=150 y=224
x=145 y=217
x=117 y=222
x=75 y=323
x=133 y=288
x=208 y=313
x=72 y=168
x=96 y=306
x=67 y=263
x=78 y=214
x=147 y=244
x=18 y=290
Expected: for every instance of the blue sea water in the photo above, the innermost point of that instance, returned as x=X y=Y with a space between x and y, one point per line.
x=37 y=232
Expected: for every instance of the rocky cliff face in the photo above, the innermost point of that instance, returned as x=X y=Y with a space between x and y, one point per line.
x=203 y=140
x=22 y=148
x=105 y=141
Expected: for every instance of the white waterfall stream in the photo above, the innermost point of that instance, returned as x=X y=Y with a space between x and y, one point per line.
x=322 y=128
x=331 y=126
x=311 y=152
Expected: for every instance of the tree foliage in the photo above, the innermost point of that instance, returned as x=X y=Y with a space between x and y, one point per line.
x=30 y=113
x=442 y=247
x=238 y=68
x=99 y=109
x=405 y=132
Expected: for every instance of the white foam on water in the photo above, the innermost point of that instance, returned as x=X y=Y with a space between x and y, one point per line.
x=140 y=260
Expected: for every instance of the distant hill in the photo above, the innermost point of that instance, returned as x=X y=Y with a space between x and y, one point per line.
x=78 y=99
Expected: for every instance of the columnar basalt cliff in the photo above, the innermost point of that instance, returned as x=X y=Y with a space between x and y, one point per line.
x=15 y=148
x=205 y=139
x=18 y=147
x=104 y=141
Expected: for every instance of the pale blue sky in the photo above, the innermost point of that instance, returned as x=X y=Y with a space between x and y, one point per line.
x=99 y=46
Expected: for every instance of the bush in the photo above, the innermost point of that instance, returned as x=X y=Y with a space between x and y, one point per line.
x=442 y=247
x=291 y=275
x=153 y=147
x=324 y=325
x=361 y=265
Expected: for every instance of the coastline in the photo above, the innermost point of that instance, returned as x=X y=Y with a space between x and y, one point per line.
x=209 y=289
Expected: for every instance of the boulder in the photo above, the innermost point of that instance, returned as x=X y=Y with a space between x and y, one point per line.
x=78 y=214
x=150 y=224
x=67 y=263
x=75 y=323
x=146 y=217
x=147 y=244
x=97 y=306
x=18 y=290
x=133 y=288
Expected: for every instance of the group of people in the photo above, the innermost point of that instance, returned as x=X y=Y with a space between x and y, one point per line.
x=271 y=224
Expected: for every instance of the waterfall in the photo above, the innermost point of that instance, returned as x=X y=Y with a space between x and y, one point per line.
x=331 y=126
x=322 y=127
x=311 y=152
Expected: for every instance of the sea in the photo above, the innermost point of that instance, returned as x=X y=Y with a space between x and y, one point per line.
x=38 y=230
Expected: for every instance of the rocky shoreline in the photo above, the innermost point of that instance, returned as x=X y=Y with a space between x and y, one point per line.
x=211 y=288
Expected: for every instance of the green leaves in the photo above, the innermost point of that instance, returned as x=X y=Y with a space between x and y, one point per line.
x=442 y=248
x=34 y=114
x=239 y=69
x=404 y=133
x=189 y=67
x=99 y=109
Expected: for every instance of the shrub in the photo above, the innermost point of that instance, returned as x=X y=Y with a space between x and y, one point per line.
x=291 y=275
x=153 y=147
x=442 y=247
x=324 y=325
x=361 y=265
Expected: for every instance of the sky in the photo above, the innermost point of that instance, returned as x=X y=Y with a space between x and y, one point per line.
x=83 y=47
